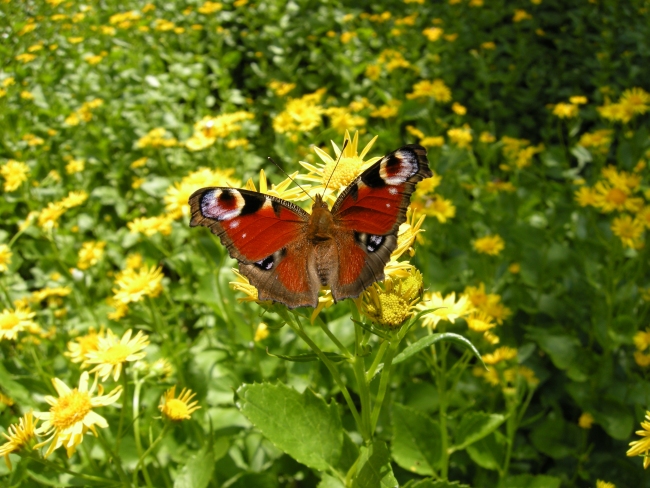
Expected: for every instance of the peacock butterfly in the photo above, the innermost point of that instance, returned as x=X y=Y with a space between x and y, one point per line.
x=288 y=254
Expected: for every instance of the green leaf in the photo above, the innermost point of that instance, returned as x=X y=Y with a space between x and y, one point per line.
x=257 y=480
x=474 y=426
x=562 y=348
x=302 y=425
x=429 y=340
x=373 y=468
x=530 y=481
x=15 y=390
x=488 y=452
x=431 y=483
x=330 y=482
x=416 y=440
x=555 y=437
x=307 y=357
x=614 y=417
x=197 y=472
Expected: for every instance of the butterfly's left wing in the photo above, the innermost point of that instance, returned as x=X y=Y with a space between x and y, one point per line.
x=369 y=213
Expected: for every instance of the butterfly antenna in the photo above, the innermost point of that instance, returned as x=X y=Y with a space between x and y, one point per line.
x=345 y=144
x=278 y=166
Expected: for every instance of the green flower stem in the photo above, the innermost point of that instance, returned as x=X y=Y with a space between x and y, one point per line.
x=440 y=370
x=378 y=358
x=149 y=450
x=512 y=425
x=333 y=338
x=383 y=382
x=117 y=461
x=120 y=428
x=297 y=328
x=359 y=368
x=136 y=427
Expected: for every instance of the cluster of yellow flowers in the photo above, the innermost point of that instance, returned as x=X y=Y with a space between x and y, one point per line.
x=133 y=284
x=48 y=218
x=616 y=192
x=633 y=102
x=14 y=173
x=73 y=413
x=569 y=110
x=84 y=113
x=518 y=152
x=156 y=138
x=210 y=129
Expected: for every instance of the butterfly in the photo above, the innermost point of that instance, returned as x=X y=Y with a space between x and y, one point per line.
x=288 y=254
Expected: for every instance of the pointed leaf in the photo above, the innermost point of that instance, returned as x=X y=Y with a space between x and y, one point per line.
x=330 y=482
x=302 y=425
x=474 y=426
x=373 y=468
x=429 y=340
x=416 y=440
x=310 y=356
x=197 y=472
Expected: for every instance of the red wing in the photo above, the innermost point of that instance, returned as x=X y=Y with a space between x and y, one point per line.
x=251 y=225
x=376 y=202
x=368 y=215
x=267 y=236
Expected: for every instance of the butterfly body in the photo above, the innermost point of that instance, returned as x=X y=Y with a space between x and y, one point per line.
x=289 y=254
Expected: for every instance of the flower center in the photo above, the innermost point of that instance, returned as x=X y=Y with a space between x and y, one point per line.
x=346 y=171
x=116 y=354
x=394 y=309
x=616 y=196
x=70 y=409
x=9 y=322
x=176 y=409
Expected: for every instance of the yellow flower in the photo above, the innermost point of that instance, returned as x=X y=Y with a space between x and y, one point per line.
x=642 y=446
x=521 y=15
x=514 y=268
x=14 y=174
x=604 y=484
x=502 y=354
x=138 y=163
x=339 y=176
x=74 y=199
x=433 y=33
x=373 y=72
x=79 y=347
x=565 y=110
x=209 y=129
x=598 y=140
x=461 y=136
x=407 y=234
x=342 y=120
x=13 y=321
x=636 y=100
x=112 y=353
x=433 y=141
x=242 y=284
x=75 y=166
x=150 y=226
x=281 y=88
x=435 y=89
x=262 y=332
x=209 y=7
x=447 y=308
x=480 y=322
x=25 y=57
x=300 y=114
x=458 y=109
x=643 y=216
x=392 y=304
x=281 y=190
x=491 y=245
x=5 y=257
x=47 y=292
x=18 y=436
x=156 y=138
x=387 y=111
x=178 y=194
x=72 y=415
x=578 y=100
x=177 y=409
x=90 y=254
x=616 y=112
x=629 y=230
x=488 y=45
x=436 y=206
x=642 y=360
x=133 y=286
x=586 y=420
